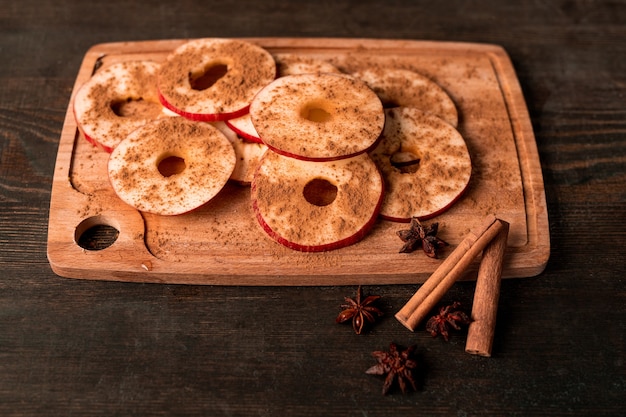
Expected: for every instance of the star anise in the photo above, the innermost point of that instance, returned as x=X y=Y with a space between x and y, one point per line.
x=419 y=235
x=359 y=311
x=397 y=365
x=449 y=316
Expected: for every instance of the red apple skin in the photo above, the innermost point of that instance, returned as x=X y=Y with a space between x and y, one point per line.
x=107 y=149
x=201 y=117
x=242 y=133
x=321 y=159
x=317 y=159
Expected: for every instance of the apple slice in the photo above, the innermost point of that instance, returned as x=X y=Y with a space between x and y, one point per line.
x=117 y=100
x=291 y=64
x=248 y=155
x=286 y=64
x=318 y=117
x=406 y=88
x=244 y=127
x=171 y=166
x=425 y=163
x=213 y=79
x=316 y=206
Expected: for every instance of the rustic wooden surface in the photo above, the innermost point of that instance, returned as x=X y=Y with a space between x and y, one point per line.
x=220 y=243
x=76 y=347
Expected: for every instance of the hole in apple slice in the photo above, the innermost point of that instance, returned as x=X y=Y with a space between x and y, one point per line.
x=320 y=192
x=95 y=233
x=389 y=104
x=316 y=112
x=405 y=162
x=208 y=77
x=136 y=108
x=171 y=165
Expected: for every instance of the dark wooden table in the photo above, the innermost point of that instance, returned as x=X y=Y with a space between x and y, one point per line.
x=77 y=347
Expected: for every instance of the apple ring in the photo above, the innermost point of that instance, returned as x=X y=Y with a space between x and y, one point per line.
x=171 y=166
x=425 y=163
x=406 y=88
x=286 y=64
x=317 y=117
x=117 y=100
x=214 y=79
x=316 y=206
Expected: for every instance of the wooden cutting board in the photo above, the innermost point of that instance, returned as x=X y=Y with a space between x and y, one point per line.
x=221 y=243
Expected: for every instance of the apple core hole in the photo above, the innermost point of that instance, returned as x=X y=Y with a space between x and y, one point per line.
x=320 y=192
x=390 y=104
x=95 y=233
x=316 y=114
x=405 y=162
x=136 y=108
x=208 y=77
x=171 y=165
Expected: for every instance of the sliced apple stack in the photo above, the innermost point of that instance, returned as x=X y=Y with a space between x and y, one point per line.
x=117 y=100
x=316 y=188
x=322 y=156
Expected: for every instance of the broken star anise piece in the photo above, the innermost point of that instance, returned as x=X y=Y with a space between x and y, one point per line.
x=420 y=236
x=359 y=311
x=449 y=316
x=396 y=365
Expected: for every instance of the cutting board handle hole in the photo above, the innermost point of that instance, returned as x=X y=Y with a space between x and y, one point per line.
x=96 y=233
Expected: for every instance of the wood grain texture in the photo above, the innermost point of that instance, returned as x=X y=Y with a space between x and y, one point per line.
x=95 y=348
x=220 y=243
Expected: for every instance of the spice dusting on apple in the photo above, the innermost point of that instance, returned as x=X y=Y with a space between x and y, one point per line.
x=213 y=79
x=326 y=153
x=117 y=100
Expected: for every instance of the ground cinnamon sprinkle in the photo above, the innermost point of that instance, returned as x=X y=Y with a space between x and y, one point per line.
x=490 y=170
x=283 y=207
x=248 y=69
x=283 y=114
x=117 y=100
x=208 y=161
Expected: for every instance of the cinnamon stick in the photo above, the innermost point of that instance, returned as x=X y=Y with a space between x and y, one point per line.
x=485 y=305
x=431 y=292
